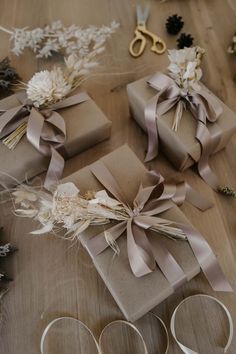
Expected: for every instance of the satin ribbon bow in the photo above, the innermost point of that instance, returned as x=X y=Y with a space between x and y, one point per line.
x=46 y=130
x=204 y=107
x=143 y=254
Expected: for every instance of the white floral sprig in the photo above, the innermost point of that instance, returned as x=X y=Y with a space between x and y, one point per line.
x=49 y=86
x=60 y=39
x=185 y=68
x=73 y=212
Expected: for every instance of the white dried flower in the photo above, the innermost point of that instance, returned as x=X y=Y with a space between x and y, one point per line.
x=58 y=38
x=185 y=68
x=70 y=210
x=47 y=87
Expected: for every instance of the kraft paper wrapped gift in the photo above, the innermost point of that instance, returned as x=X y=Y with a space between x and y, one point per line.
x=86 y=125
x=135 y=296
x=183 y=141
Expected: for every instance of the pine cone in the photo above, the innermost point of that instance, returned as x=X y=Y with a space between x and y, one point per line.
x=185 y=40
x=174 y=24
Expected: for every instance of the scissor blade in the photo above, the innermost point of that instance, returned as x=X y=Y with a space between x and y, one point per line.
x=142 y=15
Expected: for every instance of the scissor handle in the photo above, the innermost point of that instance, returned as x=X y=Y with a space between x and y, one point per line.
x=138 y=38
x=158 y=46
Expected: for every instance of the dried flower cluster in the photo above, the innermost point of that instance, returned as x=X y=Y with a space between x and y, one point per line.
x=73 y=212
x=8 y=77
x=68 y=208
x=60 y=39
x=49 y=86
x=185 y=68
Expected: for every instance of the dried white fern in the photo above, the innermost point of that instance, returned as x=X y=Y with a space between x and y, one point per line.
x=58 y=38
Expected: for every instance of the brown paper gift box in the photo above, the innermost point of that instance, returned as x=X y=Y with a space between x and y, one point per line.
x=135 y=296
x=86 y=125
x=183 y=141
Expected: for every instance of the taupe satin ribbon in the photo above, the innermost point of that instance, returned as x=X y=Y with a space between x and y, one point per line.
x=204 y=107
x=142 y=252
x=99 y=344
x=46 y=130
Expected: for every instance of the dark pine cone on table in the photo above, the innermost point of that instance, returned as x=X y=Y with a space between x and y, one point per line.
x=174 y=24
x=185 y=40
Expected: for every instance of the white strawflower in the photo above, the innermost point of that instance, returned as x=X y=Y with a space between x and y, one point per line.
x=47 y=87
x=185 y=68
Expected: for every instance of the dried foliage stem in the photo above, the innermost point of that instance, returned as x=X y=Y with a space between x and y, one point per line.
x=6 y=30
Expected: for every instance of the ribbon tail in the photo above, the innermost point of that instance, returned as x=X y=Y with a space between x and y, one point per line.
x=204 y=137
x=55 y=169
x=167 y=263
x=141 y=260
x=206 y=259
x=196 y=199
x=152 y=128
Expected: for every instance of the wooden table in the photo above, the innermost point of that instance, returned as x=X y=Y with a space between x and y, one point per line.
x=54 y=278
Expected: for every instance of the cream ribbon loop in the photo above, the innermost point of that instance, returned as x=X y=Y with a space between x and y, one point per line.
x=99 y=343
x=187 y=350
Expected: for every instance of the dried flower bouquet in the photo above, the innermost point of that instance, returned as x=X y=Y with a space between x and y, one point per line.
x=185 y=69
x=67 y=209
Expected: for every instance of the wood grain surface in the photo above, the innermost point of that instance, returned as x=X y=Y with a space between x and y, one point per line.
x=55 y=278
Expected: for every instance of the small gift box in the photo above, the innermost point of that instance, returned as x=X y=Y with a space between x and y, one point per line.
x=86 y=125
x=190 y=122
x=132 y=277
x=47 y=123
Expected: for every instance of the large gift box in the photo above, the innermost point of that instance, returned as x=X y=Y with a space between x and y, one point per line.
x=85 y=125
x=181 y=147
x=138 y=293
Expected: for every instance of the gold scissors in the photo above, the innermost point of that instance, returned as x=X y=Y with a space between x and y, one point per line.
x=158 y=45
